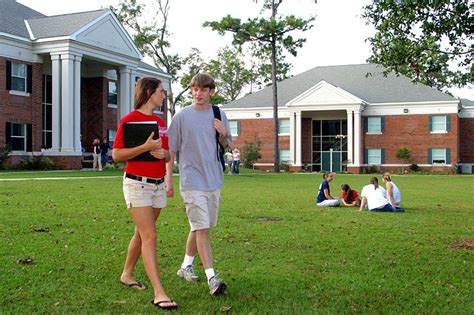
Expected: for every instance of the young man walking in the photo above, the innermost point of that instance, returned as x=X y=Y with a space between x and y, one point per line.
x=192 y=133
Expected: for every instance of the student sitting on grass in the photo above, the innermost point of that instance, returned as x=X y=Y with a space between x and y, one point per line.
x=349 y=197
x=393 y=193
x=375 y=197
x=324 y=198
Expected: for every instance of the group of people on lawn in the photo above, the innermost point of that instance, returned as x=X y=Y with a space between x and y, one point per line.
x=232 y=159
x=373 y=197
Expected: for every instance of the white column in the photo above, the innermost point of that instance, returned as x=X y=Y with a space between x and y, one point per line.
x=350 y=138
x=298 y=139
x=67 y=102
x=56 y=102
x=133 y=74
x=292 y=138
x=357 y=138
x=77 y=104
x=125 y=105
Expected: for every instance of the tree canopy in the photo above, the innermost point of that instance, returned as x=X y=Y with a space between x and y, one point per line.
x=429 y=41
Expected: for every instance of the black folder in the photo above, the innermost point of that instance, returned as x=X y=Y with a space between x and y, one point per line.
x=136 y=133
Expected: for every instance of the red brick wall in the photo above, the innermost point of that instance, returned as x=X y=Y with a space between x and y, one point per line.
x=412 y=132
x=263 y=129
x=22 y=109
x=466 y=150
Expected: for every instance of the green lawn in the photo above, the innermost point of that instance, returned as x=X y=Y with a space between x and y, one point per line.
x=313 y=260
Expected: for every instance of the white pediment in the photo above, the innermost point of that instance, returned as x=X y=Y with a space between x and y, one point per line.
x=324 y=93
x=107 y=33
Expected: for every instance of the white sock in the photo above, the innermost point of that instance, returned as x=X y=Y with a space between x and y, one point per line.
x=187 y=261
x=210 y=273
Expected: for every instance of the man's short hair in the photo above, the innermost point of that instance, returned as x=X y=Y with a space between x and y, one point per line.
x=203 y=80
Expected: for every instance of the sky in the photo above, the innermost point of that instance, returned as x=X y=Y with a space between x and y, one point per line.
x=337 y=37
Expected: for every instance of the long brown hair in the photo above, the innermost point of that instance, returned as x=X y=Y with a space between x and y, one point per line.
x=144 y=88
x=348 y=191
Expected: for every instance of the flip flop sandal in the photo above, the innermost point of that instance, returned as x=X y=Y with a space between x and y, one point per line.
x=167 y=307
x=135 y=285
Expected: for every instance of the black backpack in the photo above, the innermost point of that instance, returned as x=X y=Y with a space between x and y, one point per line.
x=220 y=147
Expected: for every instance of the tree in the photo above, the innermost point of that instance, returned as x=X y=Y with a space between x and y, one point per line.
x=271 y=37
x=429 y=41
x=151 y=39
x=252 y=152
x=230 y=74
x=404 y=154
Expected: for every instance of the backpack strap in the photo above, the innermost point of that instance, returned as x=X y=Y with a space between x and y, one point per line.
x=220 y=147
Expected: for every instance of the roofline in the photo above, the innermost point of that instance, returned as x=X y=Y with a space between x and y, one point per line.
x=24 y=39
x=74 y=35
x=163 y=74
x=28 y=28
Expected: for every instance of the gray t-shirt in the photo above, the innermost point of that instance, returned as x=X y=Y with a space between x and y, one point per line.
x=192 y=134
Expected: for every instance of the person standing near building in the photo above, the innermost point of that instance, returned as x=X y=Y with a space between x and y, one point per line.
x=192 y=133
x=104 y=150
x=229 y=160
x=144 y=189
x=236 y=161
x=96 y=164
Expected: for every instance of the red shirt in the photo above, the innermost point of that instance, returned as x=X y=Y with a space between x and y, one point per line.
x=354 y=195
x=155 y=169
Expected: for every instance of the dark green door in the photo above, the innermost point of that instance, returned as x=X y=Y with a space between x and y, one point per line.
x=336 y=161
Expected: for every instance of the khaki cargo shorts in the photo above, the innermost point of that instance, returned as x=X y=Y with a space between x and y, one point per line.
x=142 y=194
x=201 y=207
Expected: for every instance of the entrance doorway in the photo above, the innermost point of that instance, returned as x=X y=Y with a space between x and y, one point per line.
x=329 y=152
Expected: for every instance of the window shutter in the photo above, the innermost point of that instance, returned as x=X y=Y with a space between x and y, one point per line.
x=448 y=123
x=9 y=75
x=382 y=156
x=29 y=78
x=448 y=156
x=430 y=156
x=430 y=123
x=366 y=156
x=29 y=138
x=8 y=133
x=382 y=124
x=238 y=127
x=366 y=124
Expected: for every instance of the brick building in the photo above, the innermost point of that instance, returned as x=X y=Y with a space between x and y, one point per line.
x=353 y=116
x=64 y=80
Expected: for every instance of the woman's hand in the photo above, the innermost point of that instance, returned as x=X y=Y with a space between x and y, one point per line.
x=160 y=154
x=151 y=144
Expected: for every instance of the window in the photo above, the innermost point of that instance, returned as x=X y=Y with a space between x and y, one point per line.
x=374 y=125
x=18 y=78
x=234 y=127
x=47 y=112
x=18 y=137
x=111 y=137
x=439 y=124
x=283 y=126
x=112 y=99
x=374 y=156
x=439 y=156
x=284 y=156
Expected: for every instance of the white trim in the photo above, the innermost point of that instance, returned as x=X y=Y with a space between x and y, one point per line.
x=51 y=39
x=467 y=112
x=142 y=70
x=345 y=96
x=23 y=39
x=114 y=18
x=112 y=106
x=407 y=165
x=19 y=93
x=28 y=28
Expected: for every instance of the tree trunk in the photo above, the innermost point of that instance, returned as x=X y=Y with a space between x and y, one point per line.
x=276 y=150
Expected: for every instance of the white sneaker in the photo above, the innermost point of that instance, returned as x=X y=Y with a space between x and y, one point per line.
x=216 y=286
x=188 y=274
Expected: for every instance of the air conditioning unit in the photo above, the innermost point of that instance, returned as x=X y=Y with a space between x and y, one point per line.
x=466 y=169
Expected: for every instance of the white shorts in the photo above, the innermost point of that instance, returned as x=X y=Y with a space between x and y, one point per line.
x=142 y=194
x=329 y=203
x=202 y=208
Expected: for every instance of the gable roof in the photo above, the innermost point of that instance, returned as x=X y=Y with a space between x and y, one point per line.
x=146 y=66
x=62 y=25
x=365 y=81
x=12 y=16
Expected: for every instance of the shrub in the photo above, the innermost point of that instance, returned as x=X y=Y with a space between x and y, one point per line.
x=284 y=166
x=251 y=152
x=40 y=163
x=4 y=153
x=414 y=167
